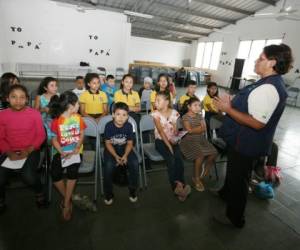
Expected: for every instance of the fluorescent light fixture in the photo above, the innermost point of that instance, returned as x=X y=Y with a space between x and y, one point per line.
x=132 y=13
x=166 y=36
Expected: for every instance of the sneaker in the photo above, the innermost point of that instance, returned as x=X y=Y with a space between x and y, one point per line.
x=132 y=196
x=108 y=199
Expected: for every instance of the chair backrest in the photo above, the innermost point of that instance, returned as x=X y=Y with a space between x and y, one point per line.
x=146 y=123
x=91 y=127
x=102 y=123
x=179 y=124
x=215 y=123
x=104 y=120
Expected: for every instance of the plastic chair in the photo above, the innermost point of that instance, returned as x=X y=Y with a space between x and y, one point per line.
x=101 y=127
x=218 y=142
x=148 y=149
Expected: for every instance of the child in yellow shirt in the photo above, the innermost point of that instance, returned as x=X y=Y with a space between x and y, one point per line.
x=208 y=106
x=127 y=95
x=190 y=92
x=93 y=102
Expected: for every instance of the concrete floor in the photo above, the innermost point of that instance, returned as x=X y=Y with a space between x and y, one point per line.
x=158 y=220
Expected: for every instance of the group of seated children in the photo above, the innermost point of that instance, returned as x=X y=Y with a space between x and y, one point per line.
x=22 y=135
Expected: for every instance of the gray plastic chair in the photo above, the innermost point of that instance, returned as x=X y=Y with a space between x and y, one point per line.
x=148 y=149
x=219 y=143
x=101 y=127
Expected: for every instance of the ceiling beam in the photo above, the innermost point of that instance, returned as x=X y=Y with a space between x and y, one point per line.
x=162 y=32
x=157 y=17
x=164 y=18
x=181 y=21
x=170 y=28
x=270 y=2
x=158 y=36
x=225 y=7
x=193 y=13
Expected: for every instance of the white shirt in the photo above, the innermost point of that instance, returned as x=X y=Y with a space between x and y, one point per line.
x=78 y=92
x=262 y=102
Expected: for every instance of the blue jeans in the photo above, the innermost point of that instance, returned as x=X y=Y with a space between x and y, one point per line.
x=174 y=162
x=110 y=165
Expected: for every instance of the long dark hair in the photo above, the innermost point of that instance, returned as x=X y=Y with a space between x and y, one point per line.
x=44 y=84
x=59 y=104
x=88 y=78
x=282 y=54
x=123 y=78
x=187 y=103
x=5 y=83
x=157 y=87
x=212 y=84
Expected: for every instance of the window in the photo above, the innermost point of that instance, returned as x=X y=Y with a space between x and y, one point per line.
x=208 y=55
x=250 y=51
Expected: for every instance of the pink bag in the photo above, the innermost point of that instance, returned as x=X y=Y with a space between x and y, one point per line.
x=273 y=175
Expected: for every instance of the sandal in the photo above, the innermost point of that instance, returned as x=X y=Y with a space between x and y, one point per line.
x=198 y=185
x=182 y=191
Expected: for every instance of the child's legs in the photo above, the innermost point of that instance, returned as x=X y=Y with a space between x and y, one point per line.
x=209 y=163
x=198 y=167
x=57 y=174
x=162 y=148
x=109 y=167
x=72 y=176
x=133 y=170
x=29 y=172
x=178 y=166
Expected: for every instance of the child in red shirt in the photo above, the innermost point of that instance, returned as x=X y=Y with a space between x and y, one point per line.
x=21 y=136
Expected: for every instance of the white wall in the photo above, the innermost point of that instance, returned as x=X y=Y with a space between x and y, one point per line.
x=62 y=33
x=170 y=53
x=254 y=28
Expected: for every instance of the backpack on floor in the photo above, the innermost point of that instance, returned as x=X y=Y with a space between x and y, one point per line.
x=264 y=190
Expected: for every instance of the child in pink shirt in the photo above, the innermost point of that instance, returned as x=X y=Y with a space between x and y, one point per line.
x=21 y=135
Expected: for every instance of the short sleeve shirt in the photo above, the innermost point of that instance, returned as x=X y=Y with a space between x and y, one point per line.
x=118 y=136
x=168 y=123
x=67 y=131
x=93 y=102
x=132 y=99
x=262 y=102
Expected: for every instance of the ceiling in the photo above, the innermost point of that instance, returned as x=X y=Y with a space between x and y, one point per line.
x=177 y=20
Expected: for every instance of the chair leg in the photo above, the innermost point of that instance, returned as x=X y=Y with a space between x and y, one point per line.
x=101 y=177
x=96 y=182
x=216 y=171
x=141 y=183
x=50 y=189
x=144 y=171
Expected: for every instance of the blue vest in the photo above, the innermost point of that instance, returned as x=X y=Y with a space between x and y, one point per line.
x=246 y=140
